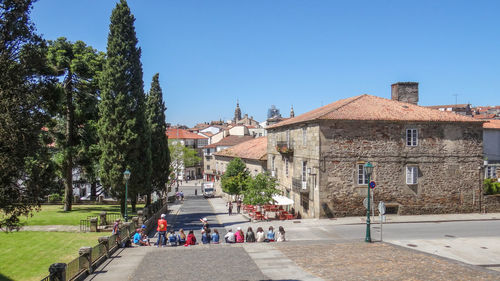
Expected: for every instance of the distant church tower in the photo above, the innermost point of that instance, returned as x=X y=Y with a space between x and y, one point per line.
x=237 y=112
x=292 y=114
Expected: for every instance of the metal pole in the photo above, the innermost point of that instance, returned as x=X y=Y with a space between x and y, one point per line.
x=126 y=200
x=368 y=235
x=381 y=223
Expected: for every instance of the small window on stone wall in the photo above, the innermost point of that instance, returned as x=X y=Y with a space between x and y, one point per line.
x=362 y=179
x=411 y=174
x=411 y=137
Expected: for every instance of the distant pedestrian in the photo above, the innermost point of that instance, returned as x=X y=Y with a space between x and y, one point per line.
x=260 y=235
x=215 y=237
x=162 y=231
x=196 y=191
x=191 y=239
x=250 y=235
x=181 y=195
x=281 y=235
x=230 y=208
x=229 y=237
x=238 y=206
x=240 y=236
x=270 y=234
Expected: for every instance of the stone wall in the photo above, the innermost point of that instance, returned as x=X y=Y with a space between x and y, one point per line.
x=305 y=142
x=447 y=156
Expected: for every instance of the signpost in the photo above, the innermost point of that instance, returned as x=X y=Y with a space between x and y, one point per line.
x=381 y=211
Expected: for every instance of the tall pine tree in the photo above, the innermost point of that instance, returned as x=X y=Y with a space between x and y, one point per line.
x=159 y=140
x=123 y=130
x=79 y=65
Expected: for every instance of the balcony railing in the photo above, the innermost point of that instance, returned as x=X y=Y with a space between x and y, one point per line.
x=299 y=186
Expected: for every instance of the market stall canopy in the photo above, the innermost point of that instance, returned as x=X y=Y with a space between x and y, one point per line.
x=282 y=200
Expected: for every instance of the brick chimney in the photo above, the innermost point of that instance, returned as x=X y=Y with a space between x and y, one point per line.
x=405 y=92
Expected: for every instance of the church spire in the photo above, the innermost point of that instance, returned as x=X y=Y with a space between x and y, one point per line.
x=237 y=112
x=292 y=114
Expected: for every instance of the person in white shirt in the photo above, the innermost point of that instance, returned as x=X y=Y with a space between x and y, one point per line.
x=229 y=237
x=281 y=235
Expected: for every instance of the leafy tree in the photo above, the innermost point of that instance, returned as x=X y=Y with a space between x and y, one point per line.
x=181 y=157
x=260 y=189
x=79 y=66
x=124 y=134
x=160 y=156
x=235 y=178
x=26 y=101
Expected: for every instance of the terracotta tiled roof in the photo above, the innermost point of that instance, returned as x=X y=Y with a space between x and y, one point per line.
x=367 y=107
x=251 y=149
x=448 y=106
x=208 y=134
x=485 y=116
x=229 y=141
x=174 y=133
x=492 y=124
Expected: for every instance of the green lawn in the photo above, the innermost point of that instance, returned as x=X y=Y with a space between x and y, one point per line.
x=27 y=255
x=54 y=214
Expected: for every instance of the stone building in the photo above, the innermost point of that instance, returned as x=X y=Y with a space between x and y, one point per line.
x=426 y=161
x=191 y=140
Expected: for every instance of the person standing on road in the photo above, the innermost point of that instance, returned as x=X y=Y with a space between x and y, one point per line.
x=162 y=231
x=238 y=206
x=230 y=208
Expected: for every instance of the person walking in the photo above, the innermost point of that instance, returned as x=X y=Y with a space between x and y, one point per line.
x=230 y=208
x=238 y=206
x=162 y=231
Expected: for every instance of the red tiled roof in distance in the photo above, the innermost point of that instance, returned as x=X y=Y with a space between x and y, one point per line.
x=448 y=106
x=492 y=124
x=367 y=107
x=174 y=133
x=229 y=141
x=251 y=149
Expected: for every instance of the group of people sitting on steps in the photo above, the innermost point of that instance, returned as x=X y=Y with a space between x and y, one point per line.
x=207 y=235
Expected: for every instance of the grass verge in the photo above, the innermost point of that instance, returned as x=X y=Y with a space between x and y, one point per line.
x=27 y=255
x=55 y=215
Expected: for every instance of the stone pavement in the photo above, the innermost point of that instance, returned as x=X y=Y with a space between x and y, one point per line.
x=315 y=251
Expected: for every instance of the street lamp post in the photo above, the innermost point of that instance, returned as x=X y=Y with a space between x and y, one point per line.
x=126 y=176
x=368 y=171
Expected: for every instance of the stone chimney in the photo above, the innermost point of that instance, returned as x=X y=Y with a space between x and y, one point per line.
x=405 y=92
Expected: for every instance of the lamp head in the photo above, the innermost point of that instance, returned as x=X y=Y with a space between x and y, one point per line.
x=126 y=175
x=368 y=168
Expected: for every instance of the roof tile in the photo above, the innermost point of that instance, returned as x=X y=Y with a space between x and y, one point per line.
x=250 y=149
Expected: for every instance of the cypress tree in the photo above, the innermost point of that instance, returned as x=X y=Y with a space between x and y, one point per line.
x=160 y=156
x=123 y=129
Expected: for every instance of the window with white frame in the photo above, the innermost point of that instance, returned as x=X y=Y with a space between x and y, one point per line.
x=362 y=178
x=286 y=167
x=411 y=137
x=491 y=172
x=411 y=174
x=304 y=136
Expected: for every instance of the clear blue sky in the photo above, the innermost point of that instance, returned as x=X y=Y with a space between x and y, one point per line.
x=300 y=53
